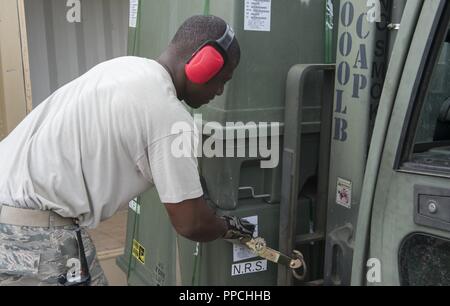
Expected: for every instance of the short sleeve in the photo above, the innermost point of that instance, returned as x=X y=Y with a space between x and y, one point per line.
x=174 y=169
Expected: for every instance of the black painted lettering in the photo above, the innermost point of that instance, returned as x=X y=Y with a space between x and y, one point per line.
x=343 y=73
x=248 y=267
x=340 y=132
x=339 y=102
x=359 y=27
x=375 y=91
x=359 y=83
x=361 y=58
x=259 y=266
x=347 y=14
x=345 y=44
x=380 y=48
x=378 y=70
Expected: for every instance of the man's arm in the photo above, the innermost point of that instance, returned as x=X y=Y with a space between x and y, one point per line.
x=195 y=220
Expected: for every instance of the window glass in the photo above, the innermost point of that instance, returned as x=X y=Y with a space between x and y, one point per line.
x=432 y=138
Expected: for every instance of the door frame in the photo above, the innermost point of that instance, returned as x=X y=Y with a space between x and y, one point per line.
x=401 y=86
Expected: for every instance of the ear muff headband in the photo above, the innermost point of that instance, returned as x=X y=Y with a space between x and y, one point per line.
x=209 y=59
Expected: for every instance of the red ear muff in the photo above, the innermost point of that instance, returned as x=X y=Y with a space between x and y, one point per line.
x=204 y=65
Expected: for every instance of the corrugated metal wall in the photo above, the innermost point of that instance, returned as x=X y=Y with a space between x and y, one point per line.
x=12 y=86
x=60 y=51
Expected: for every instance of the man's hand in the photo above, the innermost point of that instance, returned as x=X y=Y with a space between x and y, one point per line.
x=238 y=228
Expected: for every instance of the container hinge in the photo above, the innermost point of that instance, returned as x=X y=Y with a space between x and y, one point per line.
x=393 y=26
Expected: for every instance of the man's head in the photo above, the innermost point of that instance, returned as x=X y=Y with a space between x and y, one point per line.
x=192 y=34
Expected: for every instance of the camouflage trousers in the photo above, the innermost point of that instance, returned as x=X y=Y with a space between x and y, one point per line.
x=35 y=256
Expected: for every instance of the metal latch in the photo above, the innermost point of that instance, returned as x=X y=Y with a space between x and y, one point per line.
x=254 y=195
x=259 y=247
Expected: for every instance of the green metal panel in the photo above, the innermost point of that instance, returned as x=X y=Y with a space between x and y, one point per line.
x=153 y=230
x=393 y=77
x=215 y=260
x=256 y=92
x=209 y=264
x=225 y=177
x=362 y=51
x=393 y=209
x=305 y=160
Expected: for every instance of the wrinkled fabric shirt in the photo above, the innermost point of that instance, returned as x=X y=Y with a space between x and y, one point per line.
x=98 y=142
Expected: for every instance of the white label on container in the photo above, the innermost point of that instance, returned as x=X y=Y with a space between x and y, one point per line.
x=134 y=6
x=344 y=193
x=240 y=252
x=249 y=267
x=134 y=205
x=257 y=15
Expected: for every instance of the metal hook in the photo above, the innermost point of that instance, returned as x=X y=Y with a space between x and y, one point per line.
x=298 y=257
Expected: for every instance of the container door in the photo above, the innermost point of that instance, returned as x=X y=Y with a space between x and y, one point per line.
x=410 y=223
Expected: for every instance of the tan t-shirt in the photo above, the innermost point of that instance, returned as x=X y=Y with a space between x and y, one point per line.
x=98 y=142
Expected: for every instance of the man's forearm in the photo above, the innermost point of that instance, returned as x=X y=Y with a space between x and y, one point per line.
x=195 y=220
x=209 y=230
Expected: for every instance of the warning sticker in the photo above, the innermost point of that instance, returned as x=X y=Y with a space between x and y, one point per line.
x=240 y=252
x=138 y=252
x=344 y=193
x=134 y=6
x=258 y=15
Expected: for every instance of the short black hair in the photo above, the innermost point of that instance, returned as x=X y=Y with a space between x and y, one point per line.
x=197 y=30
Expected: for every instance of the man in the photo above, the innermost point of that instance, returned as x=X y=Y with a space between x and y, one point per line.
x=100 y=141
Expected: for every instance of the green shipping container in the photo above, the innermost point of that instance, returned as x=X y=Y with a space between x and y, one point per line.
x=292 y=32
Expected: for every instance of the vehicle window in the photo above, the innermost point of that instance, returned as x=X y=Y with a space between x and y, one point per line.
x=431 y=146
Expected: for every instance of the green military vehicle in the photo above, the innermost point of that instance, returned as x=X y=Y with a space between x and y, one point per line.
x=357 y=97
